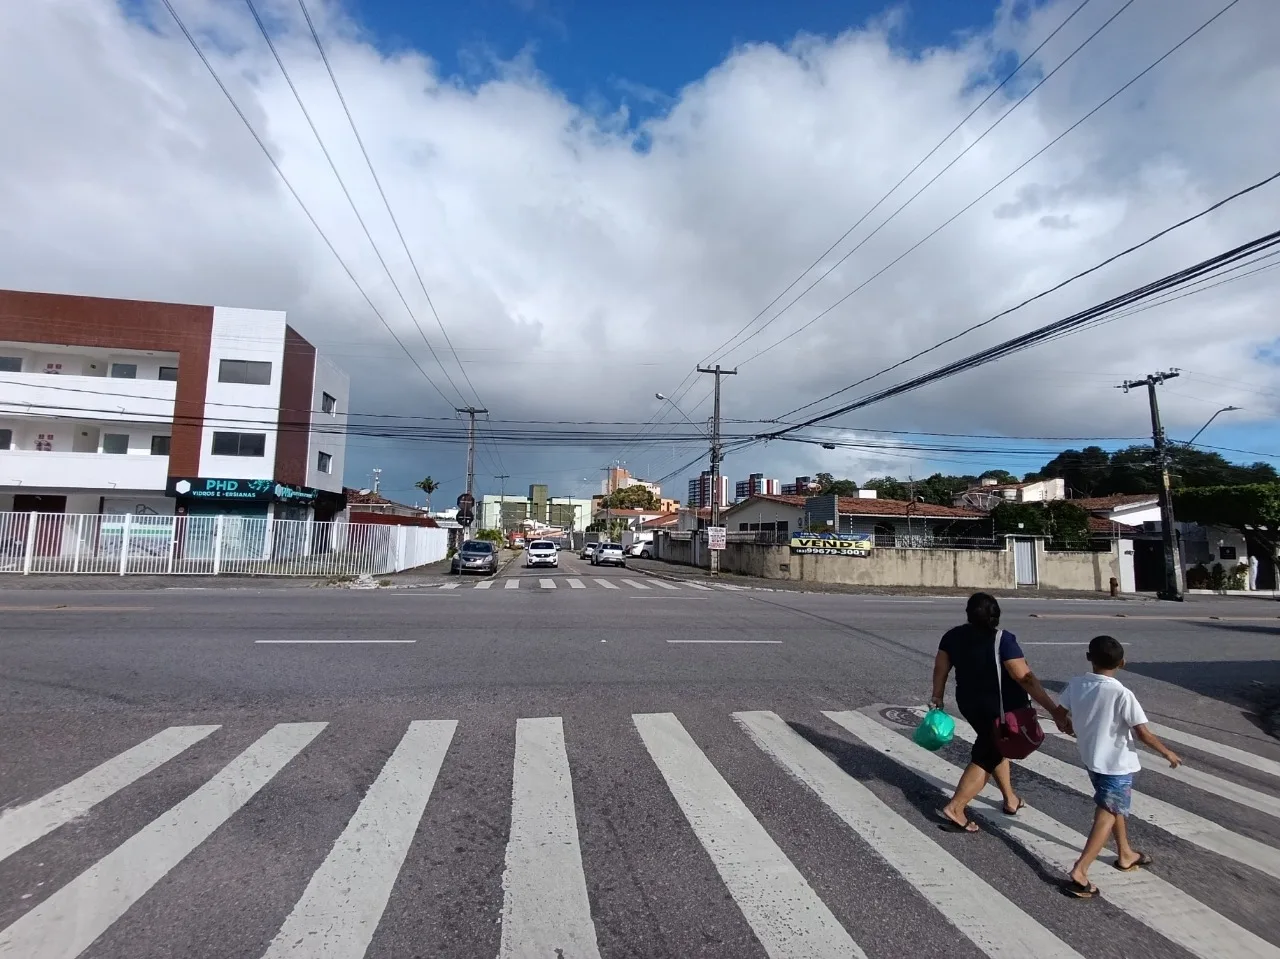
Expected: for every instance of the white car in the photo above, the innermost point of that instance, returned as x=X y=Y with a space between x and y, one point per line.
x=609 y=554
x=587 y=550
x=541 y=552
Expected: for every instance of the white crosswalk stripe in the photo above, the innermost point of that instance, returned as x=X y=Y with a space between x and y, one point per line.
x=450 y=585
x=484 y=584
x=548 y=888
x=545 y=910
x=1243 y=757
x=605 y=583
x=663 y=584
x=345 y=898
x=66 y=923
x=988 y=919
x=1142 y=894
x=24 y=825
x=577 y=584
x=635 y=584
x=1177 y=822
x=512 y=583
x=547 y=583
x=784 y=912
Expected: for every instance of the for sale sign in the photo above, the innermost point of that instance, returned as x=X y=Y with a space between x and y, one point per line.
x=831 y=544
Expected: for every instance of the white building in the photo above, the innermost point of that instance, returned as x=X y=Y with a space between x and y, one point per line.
x=121 y=406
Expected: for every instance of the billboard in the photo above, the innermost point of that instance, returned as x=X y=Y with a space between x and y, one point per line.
x=831 y=544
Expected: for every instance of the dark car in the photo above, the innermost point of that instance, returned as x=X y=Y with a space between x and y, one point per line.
x=476 y=556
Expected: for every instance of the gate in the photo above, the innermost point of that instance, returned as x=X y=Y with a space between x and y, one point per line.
x=1024 y=562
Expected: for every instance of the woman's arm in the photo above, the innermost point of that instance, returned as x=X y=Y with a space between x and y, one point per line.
x=1024 y=677
x=941 y=670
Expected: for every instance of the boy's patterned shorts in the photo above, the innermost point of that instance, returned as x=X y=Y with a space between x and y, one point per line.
x=1113 y=793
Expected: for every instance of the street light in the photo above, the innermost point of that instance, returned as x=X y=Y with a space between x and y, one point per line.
x=665 y=399
x=1225 y=409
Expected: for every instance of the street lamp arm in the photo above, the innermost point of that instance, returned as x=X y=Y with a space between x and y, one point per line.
x=666 y=399
x=1225 y=409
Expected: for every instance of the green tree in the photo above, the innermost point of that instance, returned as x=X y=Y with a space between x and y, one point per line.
x=1247 y=509
x=1000 y=476
x=490 y=535
x=887 y=487
x=428 y=486
x=632 y=497
x=1061 y=521
x=828 y=485
x=1086 y=471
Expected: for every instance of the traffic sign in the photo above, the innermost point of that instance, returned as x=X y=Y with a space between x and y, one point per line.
x=466 y=518
x=466 y=502
x=716 y=537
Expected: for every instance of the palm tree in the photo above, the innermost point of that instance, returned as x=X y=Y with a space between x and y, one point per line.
x=428 y=486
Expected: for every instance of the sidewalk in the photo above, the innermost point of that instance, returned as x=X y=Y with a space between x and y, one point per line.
x=680 y=573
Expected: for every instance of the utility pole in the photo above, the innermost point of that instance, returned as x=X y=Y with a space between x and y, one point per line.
x=377 y=480
x=714 y=568
x=1172 y=567
x=472 y=412
x=502 y=499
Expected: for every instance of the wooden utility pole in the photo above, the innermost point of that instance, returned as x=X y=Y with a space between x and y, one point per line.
x=715 y=459
x=1172 y=589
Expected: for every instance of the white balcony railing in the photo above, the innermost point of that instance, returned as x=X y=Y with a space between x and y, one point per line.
x=87 y=397
x=97 y=471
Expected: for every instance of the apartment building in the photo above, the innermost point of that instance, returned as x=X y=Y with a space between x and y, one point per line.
x=123 y=406
x=757 y=484
x=700 y=490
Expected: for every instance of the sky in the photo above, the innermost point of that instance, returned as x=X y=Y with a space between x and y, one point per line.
x=598 y=197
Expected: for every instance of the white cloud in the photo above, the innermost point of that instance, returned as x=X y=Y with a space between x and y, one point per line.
x=565 y=249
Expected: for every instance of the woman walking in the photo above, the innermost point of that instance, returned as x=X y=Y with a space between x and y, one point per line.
x=971 y=651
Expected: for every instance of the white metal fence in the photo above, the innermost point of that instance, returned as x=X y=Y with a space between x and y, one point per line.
x=130 y=544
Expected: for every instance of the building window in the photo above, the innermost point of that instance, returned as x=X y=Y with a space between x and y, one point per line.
x=328 y=403
x=324 y=462
x=115 y=442
x=6 y=439
x=169 y=373
x=124 y=371
x=253 y=372
x=10 y=364
x=239 y=444
x=160 y=445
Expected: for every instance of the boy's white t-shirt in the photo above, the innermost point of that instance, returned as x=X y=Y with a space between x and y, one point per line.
x=1104 y=712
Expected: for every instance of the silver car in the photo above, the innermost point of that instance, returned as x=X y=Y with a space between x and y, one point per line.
x=587 y=550
x=609 y=554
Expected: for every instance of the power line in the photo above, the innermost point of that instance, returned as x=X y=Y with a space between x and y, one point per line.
x=279 y=172
x=262 y=28
x=1044 y=293
x=894 y=262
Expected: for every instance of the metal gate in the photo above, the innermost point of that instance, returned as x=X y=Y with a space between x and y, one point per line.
x=1024 y=562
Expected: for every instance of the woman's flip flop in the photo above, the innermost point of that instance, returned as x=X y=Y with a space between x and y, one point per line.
x=1081 y=891
x=951 y=825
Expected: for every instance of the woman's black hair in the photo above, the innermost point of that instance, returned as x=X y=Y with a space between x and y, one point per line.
x=983 y=610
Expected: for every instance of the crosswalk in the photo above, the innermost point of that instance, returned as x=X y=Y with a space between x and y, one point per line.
x=548 y=893
x=596 y=582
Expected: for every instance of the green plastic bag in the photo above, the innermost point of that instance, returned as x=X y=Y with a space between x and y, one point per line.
x=935 y=730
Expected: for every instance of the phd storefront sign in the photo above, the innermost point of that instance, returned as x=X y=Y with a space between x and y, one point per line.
x=218 y=489
x=830 y=544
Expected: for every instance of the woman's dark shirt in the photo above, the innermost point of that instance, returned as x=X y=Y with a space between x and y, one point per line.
x=972 y=652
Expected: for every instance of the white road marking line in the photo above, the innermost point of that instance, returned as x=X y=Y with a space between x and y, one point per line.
x=728 y=586
x=1172 y=819
x=343 y=903
x=576 y=584
x=450 y=585
x=545 y=909
x=511 y=583
x=663 y=584
x=25 y=824
x=68 y=922
x=1225 y=788
x=636 y=584
x=547 y=583
x=1241 y=756
x=726 y=642
x=606 y=584
x=783 y=910
x=484 y=584
x=333 y=642
x=990 y=921
x=705 y=589
x=1155 y=903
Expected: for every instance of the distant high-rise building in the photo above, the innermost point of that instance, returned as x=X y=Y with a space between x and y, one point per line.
x=700 y=491
x=803 y=486
x=618 y=477
x=756 y=485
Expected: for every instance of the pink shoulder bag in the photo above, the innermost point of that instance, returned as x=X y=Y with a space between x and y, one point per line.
x=1018 y=733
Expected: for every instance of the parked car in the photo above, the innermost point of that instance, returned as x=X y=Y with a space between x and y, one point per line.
x=587 y=550
x=476 y=556
x=541 y=552
x=646 y=551
x=609 y=554
x=636 y=549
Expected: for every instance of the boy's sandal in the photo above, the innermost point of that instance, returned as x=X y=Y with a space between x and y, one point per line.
x=1142 y=860
x=1079 y=890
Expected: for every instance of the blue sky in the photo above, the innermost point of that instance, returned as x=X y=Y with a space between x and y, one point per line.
x=594 y=50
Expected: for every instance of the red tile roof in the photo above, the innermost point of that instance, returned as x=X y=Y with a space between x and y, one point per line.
x=666 y=519
x=853 y=506
x=1106 y=527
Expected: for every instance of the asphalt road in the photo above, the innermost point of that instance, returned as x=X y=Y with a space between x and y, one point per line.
x=550 y=769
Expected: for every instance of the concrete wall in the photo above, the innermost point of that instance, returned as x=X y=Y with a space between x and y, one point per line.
x=965 y=569
x=1083 y=571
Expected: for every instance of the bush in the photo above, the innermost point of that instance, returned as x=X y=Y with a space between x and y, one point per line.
x=1239 y=578
x=1198 y=577
x=1217 y=577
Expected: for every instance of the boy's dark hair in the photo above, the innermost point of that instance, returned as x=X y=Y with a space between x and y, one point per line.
x=983 y=610
x=1105 y=652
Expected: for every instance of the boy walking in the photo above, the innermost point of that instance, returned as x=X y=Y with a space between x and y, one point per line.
x=1106 y=717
